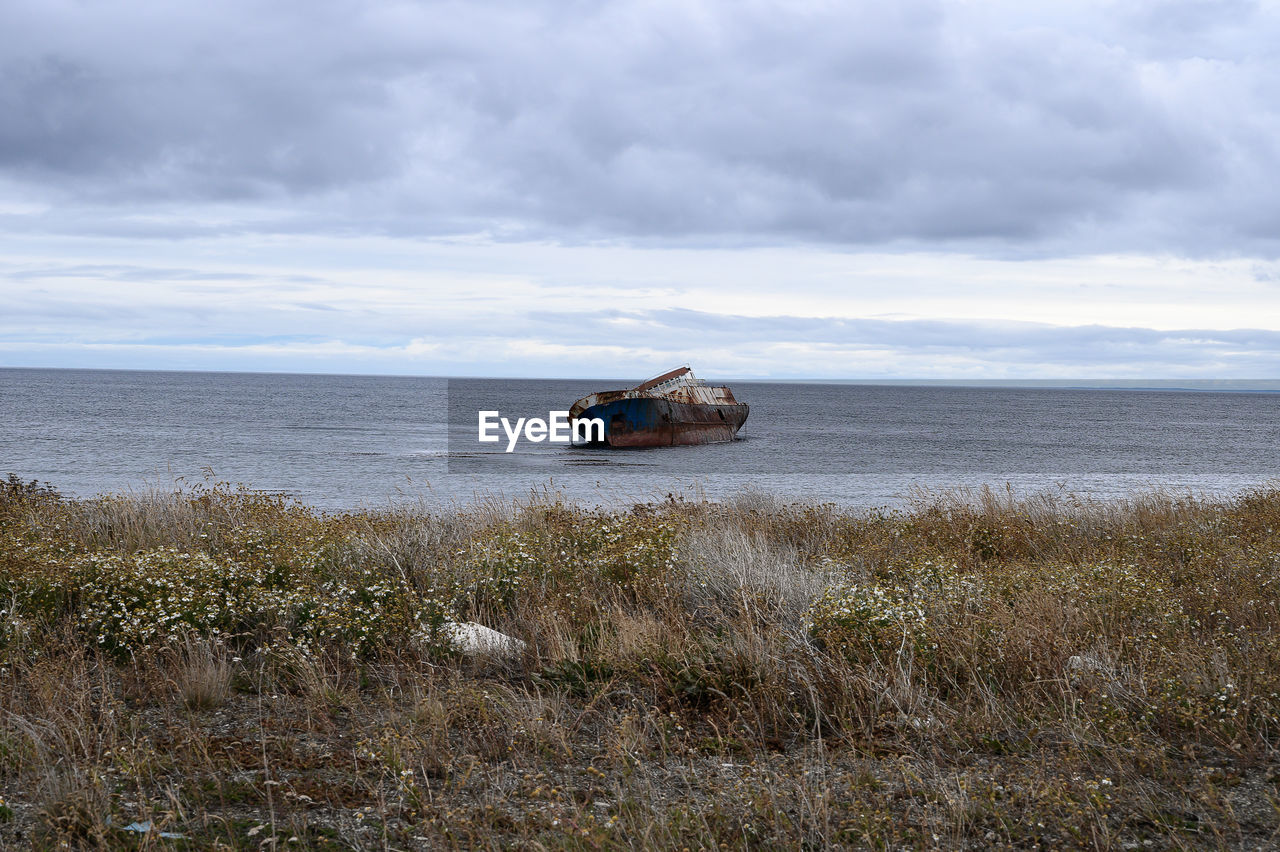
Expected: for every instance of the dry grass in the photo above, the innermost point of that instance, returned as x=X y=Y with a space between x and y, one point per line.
x=203 y=674
x=72 y=809
x=978 y=670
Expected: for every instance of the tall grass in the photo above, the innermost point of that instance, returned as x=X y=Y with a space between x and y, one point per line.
x=978 y=669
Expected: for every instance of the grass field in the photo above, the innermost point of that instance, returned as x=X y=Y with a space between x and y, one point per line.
x=976 y=671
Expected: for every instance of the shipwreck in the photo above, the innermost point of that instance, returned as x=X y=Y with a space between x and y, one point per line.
x=671 y=409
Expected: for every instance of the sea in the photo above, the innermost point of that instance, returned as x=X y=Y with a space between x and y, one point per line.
x=348 y=442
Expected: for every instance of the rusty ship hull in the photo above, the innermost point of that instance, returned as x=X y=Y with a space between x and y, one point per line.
x=670 y=410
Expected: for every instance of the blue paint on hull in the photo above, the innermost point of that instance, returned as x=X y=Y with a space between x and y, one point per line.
x=658 y=422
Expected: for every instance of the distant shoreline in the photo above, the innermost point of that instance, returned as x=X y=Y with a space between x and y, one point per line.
x=1174 y=385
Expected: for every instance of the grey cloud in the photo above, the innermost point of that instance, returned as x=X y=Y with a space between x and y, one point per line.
x=124 y=100
x=1028 y=129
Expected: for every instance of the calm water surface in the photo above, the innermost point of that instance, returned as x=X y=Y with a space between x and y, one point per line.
x=347 y=441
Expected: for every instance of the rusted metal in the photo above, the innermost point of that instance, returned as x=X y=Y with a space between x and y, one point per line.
x=673 y=408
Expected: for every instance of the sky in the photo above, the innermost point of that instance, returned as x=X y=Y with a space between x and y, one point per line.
x=952 y=190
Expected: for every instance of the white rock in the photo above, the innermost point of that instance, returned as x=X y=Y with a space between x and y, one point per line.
x=471 y=638
x=1086 y=664
x=1114 y=681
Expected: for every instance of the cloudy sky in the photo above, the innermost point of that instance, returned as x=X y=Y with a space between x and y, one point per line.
x=956 y=190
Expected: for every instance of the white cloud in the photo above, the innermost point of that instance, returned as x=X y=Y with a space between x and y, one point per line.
x=580 y=311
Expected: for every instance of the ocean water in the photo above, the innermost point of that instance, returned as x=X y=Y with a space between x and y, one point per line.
x=349 y=441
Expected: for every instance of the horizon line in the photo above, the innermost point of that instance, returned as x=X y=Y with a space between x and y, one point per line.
x=1065 y=383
